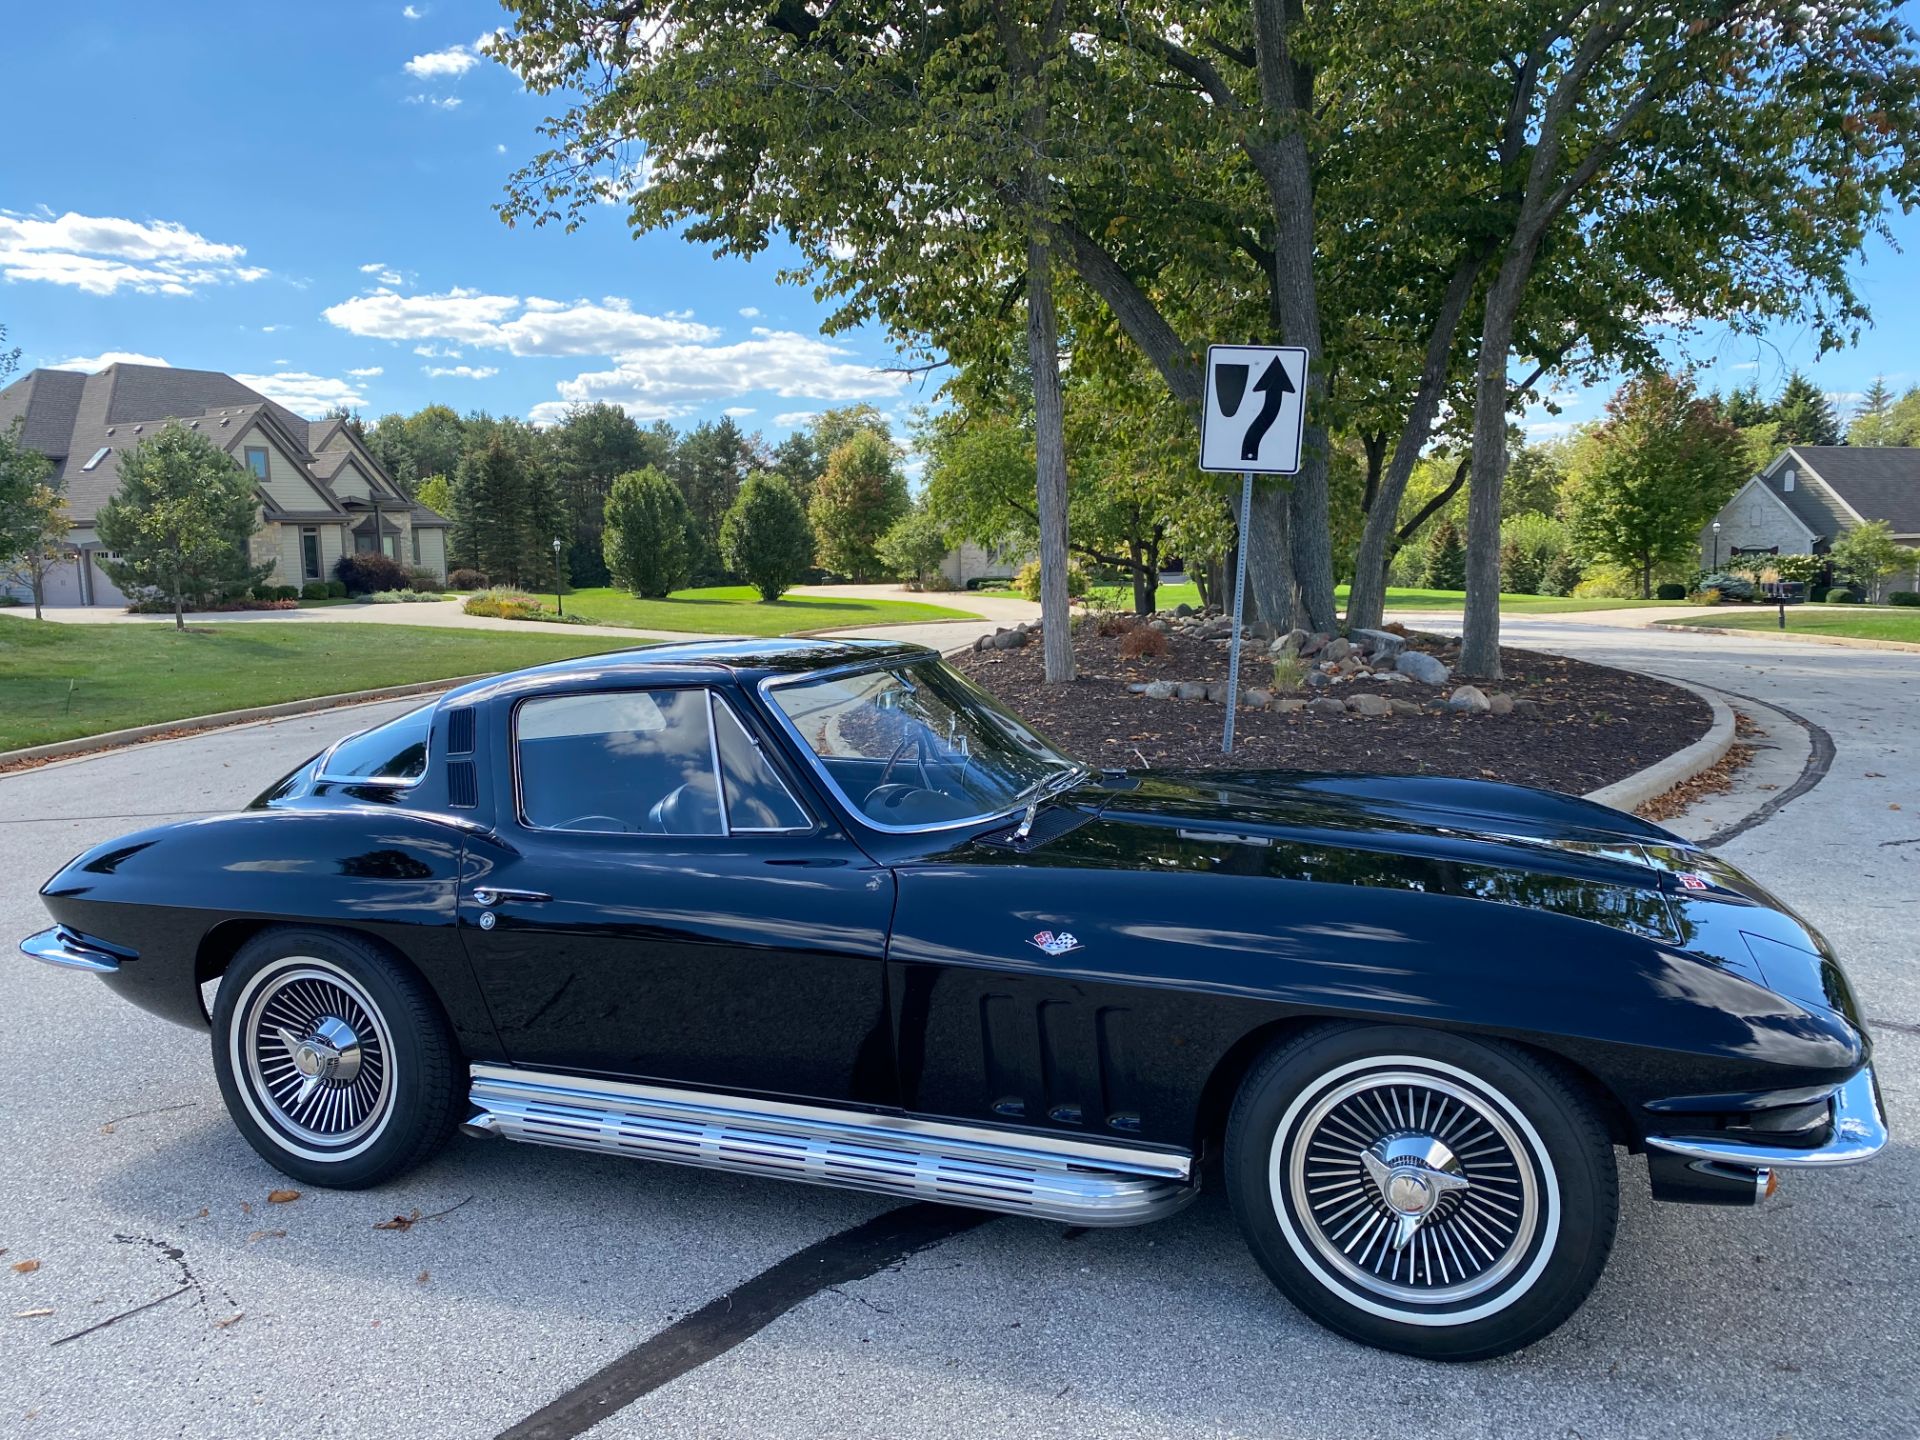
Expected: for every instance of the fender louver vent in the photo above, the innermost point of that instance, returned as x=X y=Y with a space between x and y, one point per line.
x=460 y=731
x=463 y=791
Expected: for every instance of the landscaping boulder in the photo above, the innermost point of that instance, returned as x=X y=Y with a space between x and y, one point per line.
x=1378 y=643
x=1138 y=687
x=1315 y=679
x=1404 y=708
x=1369 y=705
x=1190 y=690
x=1315 y=643
x=1420 y=666
x=1470 y=698
x=1217 y=692
x=1289 y=643
x=1009 y=639
x=1529 y=707
x=985 y=642
x=1336 y=649
x=1326 y=705
x=1500 y=703
x=1163 y=626
x=1258 y=699
x=1290 y=707
x=1159 y=690
x=1183 y=610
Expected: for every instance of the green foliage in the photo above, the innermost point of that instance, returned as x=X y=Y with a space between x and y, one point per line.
x=369 y=572
x=511 y=605
x=33 y=516
x=506 y=508
x=181 y=522
x=1446 y=558
x=1904 y=597
x=1646 y=480
x=314 y=590
x=1563 y=574
x=1868 y=553
x=1670 y=590
x=914 y=545
x=1883 y=420
x=589 y=447
x=855 y=502
x=646 y=542
x=436 y=493
x=1725 y=584
x=1026 y=581
x=431 y=441
x=466 y=580
x=1841 y=595
x=765 y=538
x=1803 y=414
x=709 y=465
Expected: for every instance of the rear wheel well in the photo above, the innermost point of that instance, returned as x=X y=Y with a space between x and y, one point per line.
x=225 y=940
x=1223 y=1084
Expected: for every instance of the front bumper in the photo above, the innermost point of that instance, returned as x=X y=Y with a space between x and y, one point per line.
x=69 y=949
x=1859 y=1133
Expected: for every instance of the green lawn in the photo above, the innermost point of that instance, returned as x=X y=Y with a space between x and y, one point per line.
x=739 y=610
x=141 y=674
x=1848 y=620
x=1397 y=599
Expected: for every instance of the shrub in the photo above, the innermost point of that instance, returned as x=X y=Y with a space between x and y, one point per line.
x=314 y=590
x=466 y=580
x=1817 y=593
x=1841 y=595
x=1904 y=597
x=1705 y=597
x=1446 y=558
x=399 y=597
x=1672 y=590
x=1731 y=587
x=1289 y=672
x=510 y=605
x=423 y=581
x=336 y=590
x=370 y=573
x=645 y=541
x=1562 y=575
x=764 y=536
x=1142 y=642
x=286 y=592
x=1027 y=582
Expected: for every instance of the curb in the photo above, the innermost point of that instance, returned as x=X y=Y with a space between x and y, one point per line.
x=1661 y=776
x=1849 y=642
x=220 y=720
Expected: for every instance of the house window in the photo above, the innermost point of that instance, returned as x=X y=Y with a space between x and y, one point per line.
x=257 y=461
x=1789 y=478
x=310 y=553
x=98 y=456
x=416 y=547
x=363 y=542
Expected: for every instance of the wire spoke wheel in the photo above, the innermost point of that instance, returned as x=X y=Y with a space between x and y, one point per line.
x=1410 y=1186
x=315 y=1052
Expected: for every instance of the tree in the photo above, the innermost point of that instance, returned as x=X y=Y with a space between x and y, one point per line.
x=1651 y=475
x=33 y=516
x=506 y=509
x=764 y=537
x=436 y=493
x=1884 y=420
x=181 y=522
x=1803 y=414
x=914 y=545
x=855 y=502
x=1446 y=558
x=1868 y=553
x=710 y=464
x=647 y=534
x=1744 y=408
x=9 y=359
x=589 y=447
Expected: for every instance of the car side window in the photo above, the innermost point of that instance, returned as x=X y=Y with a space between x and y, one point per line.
x=757 y=798
x=619 y=762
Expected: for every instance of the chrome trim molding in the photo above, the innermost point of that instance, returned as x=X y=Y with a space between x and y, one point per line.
x=1859 y=1133
x=1081 y=1182
x=57 y=945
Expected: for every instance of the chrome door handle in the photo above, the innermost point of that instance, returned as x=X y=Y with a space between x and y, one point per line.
x=488 y=896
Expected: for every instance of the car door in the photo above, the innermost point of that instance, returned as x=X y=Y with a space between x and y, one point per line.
x=657 y=901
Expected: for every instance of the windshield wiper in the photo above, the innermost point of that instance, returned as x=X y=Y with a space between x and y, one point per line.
x=1043 y=790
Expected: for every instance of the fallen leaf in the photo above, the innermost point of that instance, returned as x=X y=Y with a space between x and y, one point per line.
x=107 y=1129
x=246 y=1208
x=398 y=1222
x=1875 y=775
x=423 y=1277
x=43 y=1311
x=25 y=1267
x=282 y=1197
x=266 y=1235
x=232 y=1319
x=1893 y=807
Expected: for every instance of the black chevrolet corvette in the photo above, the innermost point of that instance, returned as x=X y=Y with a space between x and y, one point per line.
x=829 y=912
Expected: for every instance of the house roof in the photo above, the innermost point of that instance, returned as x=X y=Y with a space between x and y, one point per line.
x=70 y=417
x=1875 y=482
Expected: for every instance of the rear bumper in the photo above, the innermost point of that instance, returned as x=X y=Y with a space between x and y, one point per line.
x=69 y=949
x=1859 y=1133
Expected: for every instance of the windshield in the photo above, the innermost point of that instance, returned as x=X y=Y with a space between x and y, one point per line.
x=917 y=745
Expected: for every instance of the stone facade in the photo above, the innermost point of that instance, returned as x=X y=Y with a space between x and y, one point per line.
x=1754 y=520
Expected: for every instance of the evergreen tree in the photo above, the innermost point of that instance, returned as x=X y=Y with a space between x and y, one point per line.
x=647 y=540
x=1446 y=558
x=765 y=538
x=1883 y=420
x=1804 y=415
x=590 y=446
x=710 y=464
x=1744 y=408
x=506 y=510
x=855 y=502
x=182 y=521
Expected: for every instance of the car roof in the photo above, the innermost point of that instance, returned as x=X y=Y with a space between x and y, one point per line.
x=690 y=662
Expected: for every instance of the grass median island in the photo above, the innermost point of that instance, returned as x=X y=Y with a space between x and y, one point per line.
x=62 y=681
x=1398 y=598
x=739 y=610
x=1849 y=621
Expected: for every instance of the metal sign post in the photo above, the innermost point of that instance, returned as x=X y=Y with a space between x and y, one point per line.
x=1239 y=608
x=1262 y=438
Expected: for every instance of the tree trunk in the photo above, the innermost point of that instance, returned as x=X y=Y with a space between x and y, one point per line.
x=1142 y=594
x=1050 y=449
x=39 y=590
x=1480 y=632
x=179 y=616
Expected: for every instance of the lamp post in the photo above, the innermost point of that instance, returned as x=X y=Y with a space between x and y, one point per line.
x=558 y=604
x=1716 y=546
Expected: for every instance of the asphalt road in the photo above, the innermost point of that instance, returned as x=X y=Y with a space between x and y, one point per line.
x=120 y=1174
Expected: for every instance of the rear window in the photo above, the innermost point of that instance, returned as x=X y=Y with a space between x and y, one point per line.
x=394 y=753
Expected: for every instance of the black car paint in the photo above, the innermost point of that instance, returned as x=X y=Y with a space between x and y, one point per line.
x=888 y=970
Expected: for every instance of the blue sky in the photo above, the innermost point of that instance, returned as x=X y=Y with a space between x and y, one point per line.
x=303 y=197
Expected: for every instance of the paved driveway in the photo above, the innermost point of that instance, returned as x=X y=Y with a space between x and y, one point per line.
x=121 y=1175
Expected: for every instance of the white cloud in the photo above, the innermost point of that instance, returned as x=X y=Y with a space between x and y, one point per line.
x=310 y=395
x=794 y=419
x=1549 y=429
x=459 y=372
x=739 y=412
x=95 y=363
x=438 y=102
x=368 y=372
x=1745 y=365
x=443 y=64
x=384 y=273
x=273 y=329
x=412 y=12
x=750 y=312
x=102 y=254
x=533 y=326
x=499 y=149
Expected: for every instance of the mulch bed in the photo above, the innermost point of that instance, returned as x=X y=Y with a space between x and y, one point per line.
x=1595 y=725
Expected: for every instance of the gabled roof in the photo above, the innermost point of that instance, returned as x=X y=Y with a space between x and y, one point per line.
x=1870 y=482
x=1811 y=503
x=1772 y=492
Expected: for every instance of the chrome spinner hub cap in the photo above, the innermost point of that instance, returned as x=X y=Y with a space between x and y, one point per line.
x=316 y=1055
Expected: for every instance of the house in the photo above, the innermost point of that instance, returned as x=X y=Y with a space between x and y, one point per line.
x=1811 y=495
x=321 y=492
x=967 y=565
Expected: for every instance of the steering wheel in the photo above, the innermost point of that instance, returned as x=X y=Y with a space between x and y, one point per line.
x=922 y=753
